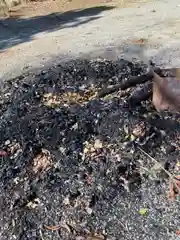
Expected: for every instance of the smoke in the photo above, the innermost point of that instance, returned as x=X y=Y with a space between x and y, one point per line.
x=137 y=52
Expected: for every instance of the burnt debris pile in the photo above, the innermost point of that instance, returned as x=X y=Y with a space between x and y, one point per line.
x=71 y=160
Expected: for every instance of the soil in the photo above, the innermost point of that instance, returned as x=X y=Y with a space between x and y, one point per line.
x=40 y=8
x=77 y=167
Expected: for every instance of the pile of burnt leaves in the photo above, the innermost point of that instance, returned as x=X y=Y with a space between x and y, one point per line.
x=66 y=155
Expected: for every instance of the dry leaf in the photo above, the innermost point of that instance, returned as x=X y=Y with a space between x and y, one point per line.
x=57 y=227
x=174 y=189
x=53 y=228
x=93 y=237
x=68 y=98
x=143 y=211
x=33 y=204
x=96 y=237
x=42 y=162
x=98 y=144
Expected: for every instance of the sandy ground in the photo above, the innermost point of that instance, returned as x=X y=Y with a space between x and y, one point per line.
x=29 y=43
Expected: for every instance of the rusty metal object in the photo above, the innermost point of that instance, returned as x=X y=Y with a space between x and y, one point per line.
x=166 y=91
x=162 y=84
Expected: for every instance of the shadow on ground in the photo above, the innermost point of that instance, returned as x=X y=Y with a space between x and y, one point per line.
x=15 y=30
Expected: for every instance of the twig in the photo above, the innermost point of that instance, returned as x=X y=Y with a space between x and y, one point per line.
x=172 y=177
x=53 y=228
x=123 y=86
x=57 y=227
x=41 y=235
x=153 y=159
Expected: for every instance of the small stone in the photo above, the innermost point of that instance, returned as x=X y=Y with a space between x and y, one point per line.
x=16 y=180
x=86 y=150
x=62 y=149
x=83 y=87
x=80 y=238
x=34 y=234
x=170 y=149
x=127 y=144
x=98 y=144
x=126 y=129
x=163 y=133
x=43 y=72
x=75 y=126
x=66 y=201
x=139 y=130
x=7 y=142
x=89 y=210
x=33 y=204
x=163 y=149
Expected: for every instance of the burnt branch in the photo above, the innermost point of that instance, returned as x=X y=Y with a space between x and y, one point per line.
x=132 y=82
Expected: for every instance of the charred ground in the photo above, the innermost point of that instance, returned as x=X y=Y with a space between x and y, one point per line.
x=73 y=161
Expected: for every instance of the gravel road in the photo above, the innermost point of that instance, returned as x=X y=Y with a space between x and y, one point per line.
x=104 y=33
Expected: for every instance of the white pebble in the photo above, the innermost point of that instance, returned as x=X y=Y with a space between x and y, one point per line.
x=7 y=142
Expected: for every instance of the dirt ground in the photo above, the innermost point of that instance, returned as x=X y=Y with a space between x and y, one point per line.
x=100 y=31
x=39 y=8
x=74 y=166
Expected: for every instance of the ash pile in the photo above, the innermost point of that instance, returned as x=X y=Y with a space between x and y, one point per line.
x=78 y=166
